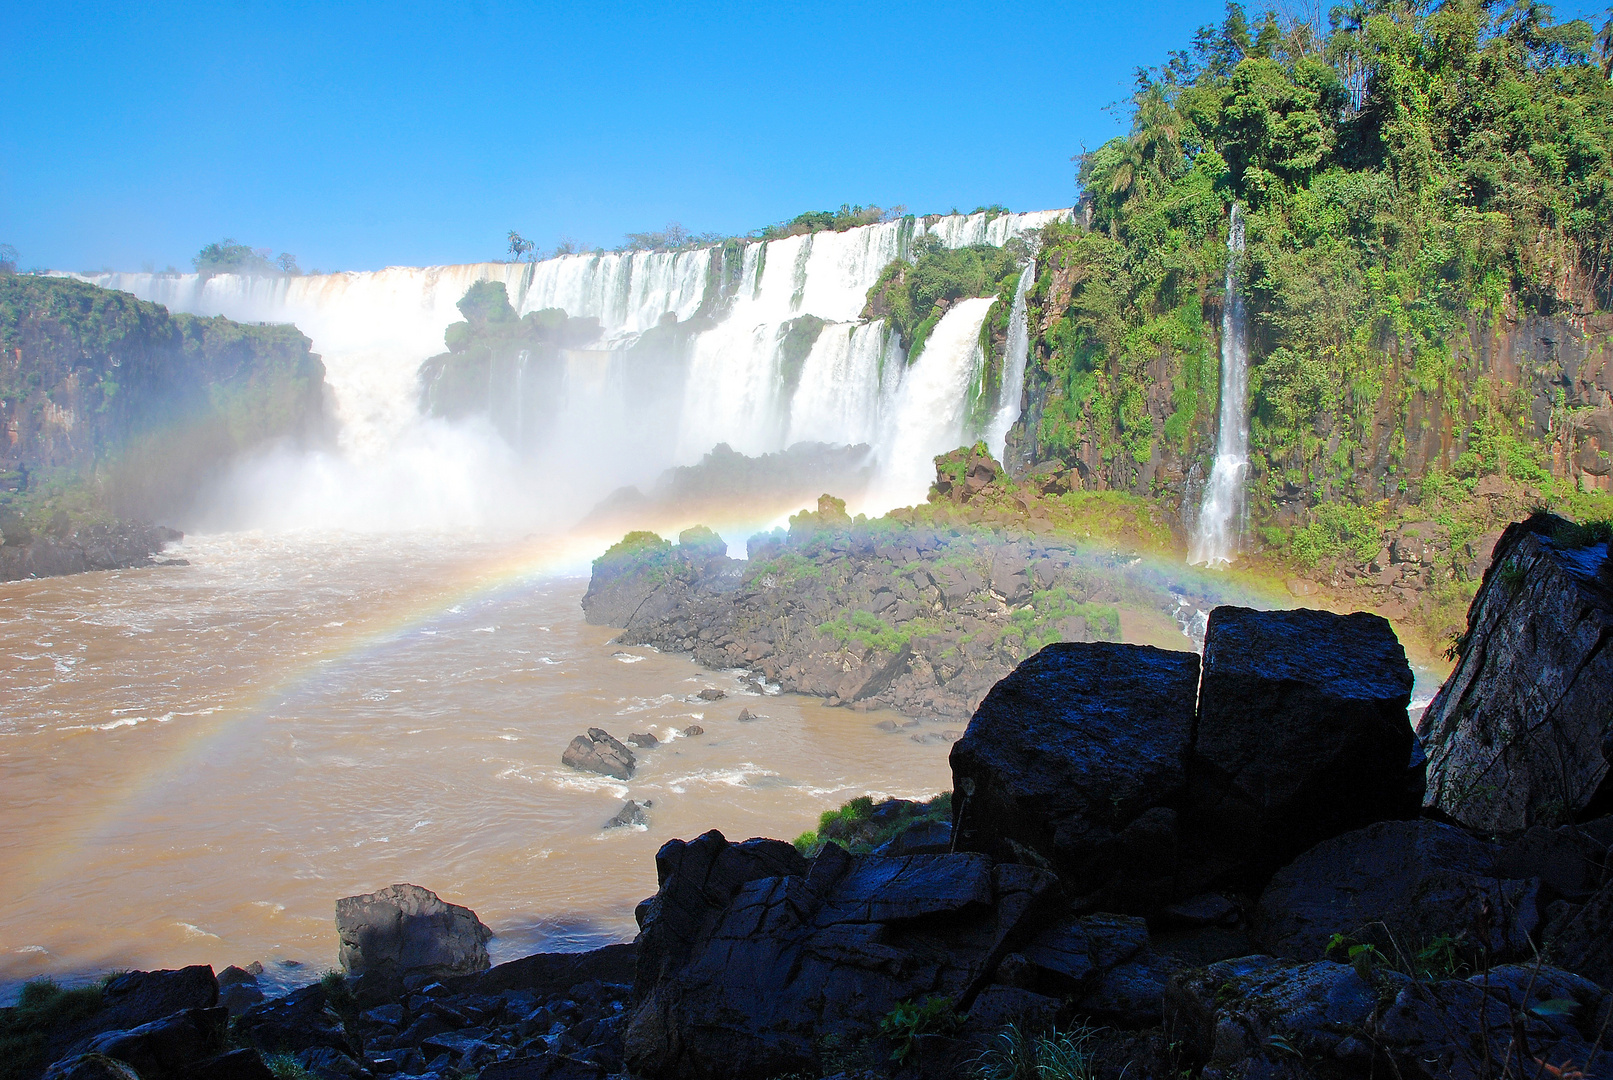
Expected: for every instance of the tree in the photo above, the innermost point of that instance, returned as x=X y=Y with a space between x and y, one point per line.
x=521 y=248
x=8 y=259
x=229 y=257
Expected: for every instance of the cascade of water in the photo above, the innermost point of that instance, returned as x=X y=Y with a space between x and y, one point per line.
x=1215 y=540
x=1018 y=353
x=930 y=411
x=374 y=328
x=838 y=400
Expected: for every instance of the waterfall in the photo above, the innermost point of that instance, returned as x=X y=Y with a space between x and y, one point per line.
x=930 y=411
x=608 y=420
x=1013 y=380
x=1215 y=541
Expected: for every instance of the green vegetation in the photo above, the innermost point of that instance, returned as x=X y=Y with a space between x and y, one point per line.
x=458 y=382
x=1020 y=1054
x=157 y=400
x=287 y=1067
x=228 y=257
x=904 y=1024
x=867 y=630
x=913 y=295
x=1408 y=178
x=26 y=1026
x=858 y=828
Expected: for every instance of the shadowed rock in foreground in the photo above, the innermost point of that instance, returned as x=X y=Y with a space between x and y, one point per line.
x=1521 y=733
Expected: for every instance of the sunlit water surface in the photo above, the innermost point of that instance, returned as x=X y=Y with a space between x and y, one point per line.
x=196 y=761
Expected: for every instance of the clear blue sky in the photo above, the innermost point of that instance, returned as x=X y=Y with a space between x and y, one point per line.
x=358 y=136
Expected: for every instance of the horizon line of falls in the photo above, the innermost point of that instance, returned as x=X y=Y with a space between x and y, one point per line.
x=758 y=345
x=1216 y=539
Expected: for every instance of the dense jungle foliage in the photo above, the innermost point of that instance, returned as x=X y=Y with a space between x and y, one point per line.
x=1409 y=175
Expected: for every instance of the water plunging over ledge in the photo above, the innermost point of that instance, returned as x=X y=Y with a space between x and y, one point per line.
x=1220 y=525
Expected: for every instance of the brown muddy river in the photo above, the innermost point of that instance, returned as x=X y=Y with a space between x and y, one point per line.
x=197 y=761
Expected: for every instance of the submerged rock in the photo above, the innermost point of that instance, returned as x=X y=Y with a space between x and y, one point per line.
x=406 y=930
x=645 y=741
x=1521 y=733
x=599 y=752
x=631 y=813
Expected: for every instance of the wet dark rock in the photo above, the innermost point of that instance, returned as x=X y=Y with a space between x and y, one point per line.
x=1459 y=1029
x=543 y=1067
x=794 y=956
x=238 y=989
x=91 y=1067
x=1398 y=885
x=1584 y=943
x=1520 y=734
x=600 y=752
x=711 y=693
x=294 y=1022
x=327 y=1063
x=114 y=546
x=133 y=999
x=244 y=1064
x=630 y=814
x=1104 y=965
x=643 y=742
x=746 y=716
x=1302 y=735
x=406 y=930
x=694 y=729
x=164 y=1048
x=920 y=838
x=1072 y=762
x=1248 y=1016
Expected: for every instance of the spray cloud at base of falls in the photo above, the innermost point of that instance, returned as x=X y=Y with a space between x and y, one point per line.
x=1220 y=524
x=758 y=344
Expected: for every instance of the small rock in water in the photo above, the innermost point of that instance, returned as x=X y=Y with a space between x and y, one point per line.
x=746 y=716
x=599 y=752
x=886 y=725
x=692 y=730
x=711 y=693
x=645 y=741
x=631 y=813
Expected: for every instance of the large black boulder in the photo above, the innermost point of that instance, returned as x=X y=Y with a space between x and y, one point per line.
x=1077 y=761
x=1302 y=735
x=165 y=1048
x=1399 y=886
x=132 y=999
x=791 y=959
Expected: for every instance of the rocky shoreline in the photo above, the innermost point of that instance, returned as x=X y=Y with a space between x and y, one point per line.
x=1157 y=865
x=119 y=545
x=922 y=611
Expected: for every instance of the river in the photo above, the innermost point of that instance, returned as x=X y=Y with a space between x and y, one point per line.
x=199 y=760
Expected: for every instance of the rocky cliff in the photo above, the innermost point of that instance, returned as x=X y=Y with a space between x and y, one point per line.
x=112 y=407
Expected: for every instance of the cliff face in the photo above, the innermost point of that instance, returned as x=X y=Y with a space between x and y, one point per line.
x=1521 y=389
x=120 y=408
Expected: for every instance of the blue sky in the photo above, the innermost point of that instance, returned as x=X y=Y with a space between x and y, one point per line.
x=358 y=136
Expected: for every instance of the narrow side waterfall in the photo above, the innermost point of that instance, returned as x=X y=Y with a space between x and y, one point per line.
x=931 y=405
x=1215 y=541
x=1013 y=383
x=759 y=346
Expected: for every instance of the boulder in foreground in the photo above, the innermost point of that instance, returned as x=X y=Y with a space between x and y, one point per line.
x=1076 y=761
x=1521 y=733
x=407 y=930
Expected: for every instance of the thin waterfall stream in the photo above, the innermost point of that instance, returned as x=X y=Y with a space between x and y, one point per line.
x=1220 y=525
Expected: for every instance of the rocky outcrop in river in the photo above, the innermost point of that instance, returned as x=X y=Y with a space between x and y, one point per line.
x=922 y=612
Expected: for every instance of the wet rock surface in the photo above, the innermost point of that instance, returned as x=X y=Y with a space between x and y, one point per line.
x=405 y=930
x=1521 y=733
x=600 y=752
x=116 y=546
